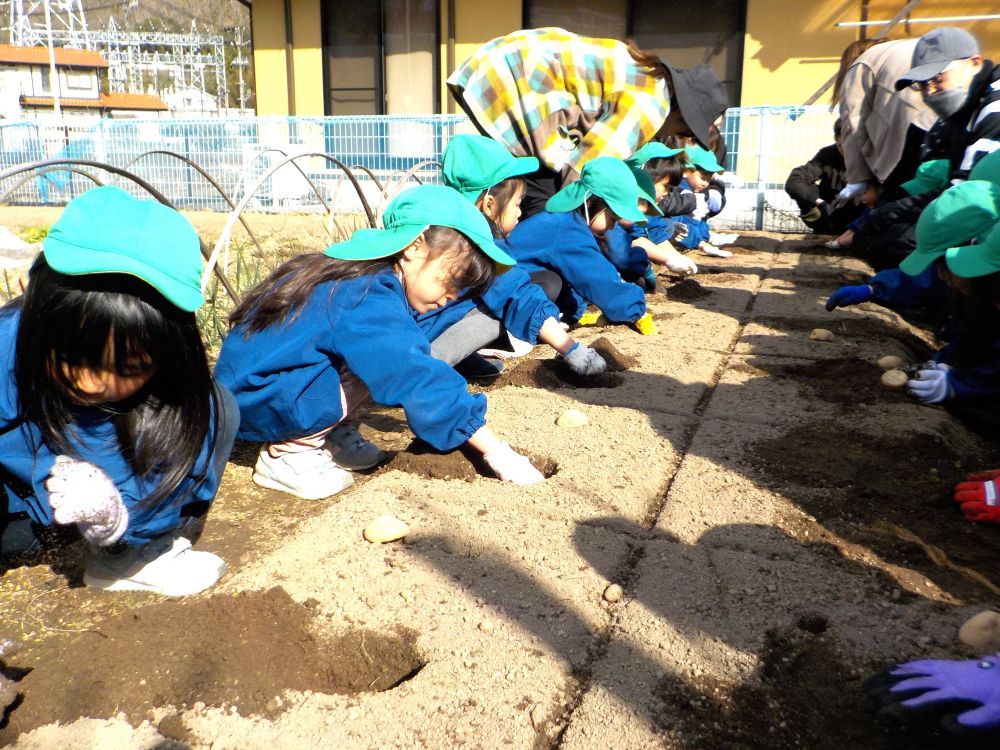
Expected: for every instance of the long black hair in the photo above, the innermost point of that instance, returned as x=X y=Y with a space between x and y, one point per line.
x=280 y=297
x=78 y=321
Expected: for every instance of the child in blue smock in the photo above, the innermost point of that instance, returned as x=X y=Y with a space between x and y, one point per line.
x=634 y=246
x=958 y=216
x=699 y=181
x=950 y=234
x=324 y=333
x=565 y=238
x=486 y=173
x=110 y=420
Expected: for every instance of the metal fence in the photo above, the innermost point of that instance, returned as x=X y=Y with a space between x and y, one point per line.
x=175 y=156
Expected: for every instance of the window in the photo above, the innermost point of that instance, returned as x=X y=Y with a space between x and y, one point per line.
x=380 y=57
x=603 y=19
x=79 y=81
x=46 y=81
x=685 y=34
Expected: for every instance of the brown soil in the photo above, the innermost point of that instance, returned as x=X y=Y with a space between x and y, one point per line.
x=616 y=359
x=421 y=459
x=857 y=330
x=241 y=651
x=551 y=373
x=840 y=381
x=687 y=290
x=890 y=495
x=761 y=244
x=803 y=696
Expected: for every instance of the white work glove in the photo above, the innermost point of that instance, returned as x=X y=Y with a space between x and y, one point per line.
x=681 y=264
x=81 y=493
x=849 y=193
x=931 y=384
x=714 y=200
x=511 y=466
x=584 y=361
x=700 y=206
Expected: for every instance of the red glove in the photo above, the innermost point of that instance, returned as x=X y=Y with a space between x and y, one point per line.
x=980 y=500
x=982 y=476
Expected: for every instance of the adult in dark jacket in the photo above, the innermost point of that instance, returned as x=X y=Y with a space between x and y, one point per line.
x=963 y=88
x=814 y=187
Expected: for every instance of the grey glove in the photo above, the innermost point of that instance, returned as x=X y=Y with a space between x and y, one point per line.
x=81 y=493
x=584 y=361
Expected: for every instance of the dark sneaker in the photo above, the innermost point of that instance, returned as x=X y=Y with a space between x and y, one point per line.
x=477 y=367
x=351 y=451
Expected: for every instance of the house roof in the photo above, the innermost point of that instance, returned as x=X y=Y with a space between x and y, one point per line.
x=134 y=101
x=147 y=102
x=64 y=101
x=64 y=56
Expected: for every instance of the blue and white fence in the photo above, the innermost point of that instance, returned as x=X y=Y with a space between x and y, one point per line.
x=764 y=143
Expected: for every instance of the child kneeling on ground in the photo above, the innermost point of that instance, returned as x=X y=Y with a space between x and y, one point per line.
x=326 y=332
x=111 y=421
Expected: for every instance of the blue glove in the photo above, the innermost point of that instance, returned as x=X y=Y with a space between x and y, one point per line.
x=849 y=295
x=931 y=384
x=963 y=695
x=714 y=200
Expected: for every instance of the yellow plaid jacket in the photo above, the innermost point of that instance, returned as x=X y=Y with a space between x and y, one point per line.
x=564 y=98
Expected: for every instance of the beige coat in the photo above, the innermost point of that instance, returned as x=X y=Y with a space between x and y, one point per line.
x=874 y=116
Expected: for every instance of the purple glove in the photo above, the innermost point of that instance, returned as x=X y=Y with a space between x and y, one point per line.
x=965 y=695
x=849 y=295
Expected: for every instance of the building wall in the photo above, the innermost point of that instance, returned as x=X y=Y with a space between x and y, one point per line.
x=791 y=49
x=475 y=22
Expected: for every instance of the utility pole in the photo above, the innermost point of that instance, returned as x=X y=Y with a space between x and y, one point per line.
x=53 y=73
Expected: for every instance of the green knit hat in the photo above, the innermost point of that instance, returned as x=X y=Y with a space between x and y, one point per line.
x=409 y=214
x=931 y=175
x=106 y=230
x=980 y=259
x=703 y=159
x=987 y=168
x=475 y=163
x=960 y=214
x=610 y=179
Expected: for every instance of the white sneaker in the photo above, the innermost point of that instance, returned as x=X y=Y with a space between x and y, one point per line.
x=722 y=238
x=351 y=451
x=311 y=475
x=714 y=252
x=165 y=566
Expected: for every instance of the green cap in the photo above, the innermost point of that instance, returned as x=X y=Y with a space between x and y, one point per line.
x=703 y=159
x=980 y=259
x=987 y=168
x=409 y=214
x=106 y=230
x=475 y=163
x=931 y=175
x=652 y=150
x=610 y=179
x=960 y=214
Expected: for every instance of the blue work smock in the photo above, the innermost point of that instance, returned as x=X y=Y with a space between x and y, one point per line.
x=26 y=458
x=286 y=378
x=513 y=299
x=895 y=289
x=563 y=243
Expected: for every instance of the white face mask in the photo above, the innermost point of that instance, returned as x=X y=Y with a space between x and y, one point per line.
x=946 y=103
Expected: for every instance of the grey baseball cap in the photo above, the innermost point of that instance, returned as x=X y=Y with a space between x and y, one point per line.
x=935 y=50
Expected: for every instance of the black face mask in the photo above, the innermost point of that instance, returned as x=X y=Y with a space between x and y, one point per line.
x=946 y=103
